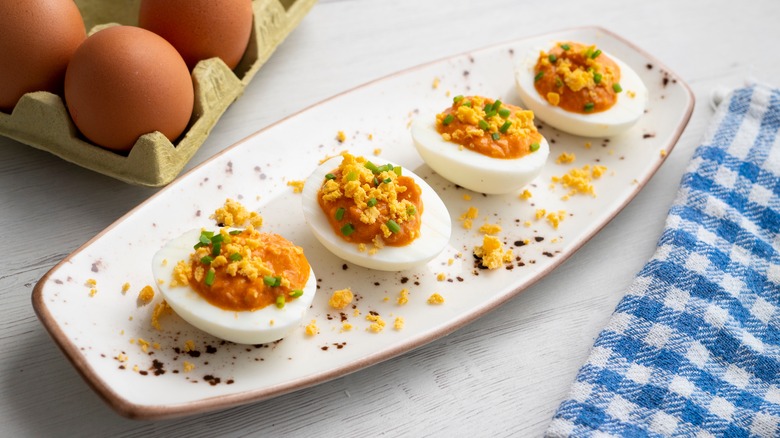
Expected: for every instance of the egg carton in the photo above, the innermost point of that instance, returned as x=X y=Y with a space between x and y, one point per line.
x=41 y=120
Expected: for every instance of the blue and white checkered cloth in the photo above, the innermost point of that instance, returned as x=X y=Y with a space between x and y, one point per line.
x=693 y=349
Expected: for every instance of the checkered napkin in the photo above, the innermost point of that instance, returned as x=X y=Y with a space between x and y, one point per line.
x=693 y=349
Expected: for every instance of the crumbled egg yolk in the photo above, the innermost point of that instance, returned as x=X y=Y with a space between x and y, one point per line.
x=144 y=345
x=233 y=214
x=403 y=297
x=565 y=158
x=492 y=252
x=345 y=327
x=490 y=229
x=578 y=181
x=160 y=309
x=311 y=328
x=341 y=298
x=556 y=218
x=435 y=298
x=296 y=185
x=125 y=287
x=526 y=195
x=441 y=276
x=468 y=217
x=377 y=323
x=187 y=366
x=91 y=282
x=399 y=323
x=146 y=295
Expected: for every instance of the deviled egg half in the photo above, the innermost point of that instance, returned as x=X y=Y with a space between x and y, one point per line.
x=236 y=284
x=482 y=144
x=376 y=215
x=581 y=89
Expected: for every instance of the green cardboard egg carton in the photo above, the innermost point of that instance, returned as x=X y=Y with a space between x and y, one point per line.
x=41 y=120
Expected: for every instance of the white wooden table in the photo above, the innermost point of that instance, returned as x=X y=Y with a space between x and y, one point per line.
x=502 y=375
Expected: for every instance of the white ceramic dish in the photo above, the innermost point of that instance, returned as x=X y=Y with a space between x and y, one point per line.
x=94 y=331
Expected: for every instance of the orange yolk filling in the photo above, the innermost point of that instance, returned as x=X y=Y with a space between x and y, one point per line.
x=577 y=78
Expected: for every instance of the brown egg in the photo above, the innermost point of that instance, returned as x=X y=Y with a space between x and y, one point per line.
x=201 y=29
x=124 y=82
x=37 y=39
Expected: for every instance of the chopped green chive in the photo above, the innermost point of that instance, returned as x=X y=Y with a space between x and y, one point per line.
x=210 y=275
x=234 y=232
x=552 y=58
x=597 y=78
x=272 y=281
x=538 y=76
x=617 y=88
x=411 y=211
x=497 y=105
x=565 y=46
x=589 y=52
x=217 y=238
x=340 y=213
x=372 y=167
x=204 y=239
x=558 y=82
x=496 y=136
x=447 y=120
x=534 y=147
x=397 y=170
x=347 y=229
x=206 y=260
x=505 y=127
x=371 y=202
x=330 y=176
x=490 y=114
x=457 y=98
x=484 y=125
x=589 y=106
x=216 y=249
x=296 y=293
x=280 y=301
x=393 y=226
x=595 y=54
x=387 y=180
x=467 y=103
x=236 y=257
x=352 y=176
x=504 y=112
x=375 y=181
x=488 y=107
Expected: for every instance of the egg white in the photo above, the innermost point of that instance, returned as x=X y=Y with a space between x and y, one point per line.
x=471 y=169
x=242 y=327
x=621 y=116
x=435 y=227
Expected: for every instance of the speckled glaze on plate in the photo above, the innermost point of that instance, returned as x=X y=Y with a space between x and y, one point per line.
x=101 y=332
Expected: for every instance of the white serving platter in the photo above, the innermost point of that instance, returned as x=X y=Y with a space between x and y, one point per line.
x=96 y=330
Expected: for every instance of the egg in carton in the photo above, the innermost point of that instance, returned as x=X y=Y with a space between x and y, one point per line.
x=41 y=120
